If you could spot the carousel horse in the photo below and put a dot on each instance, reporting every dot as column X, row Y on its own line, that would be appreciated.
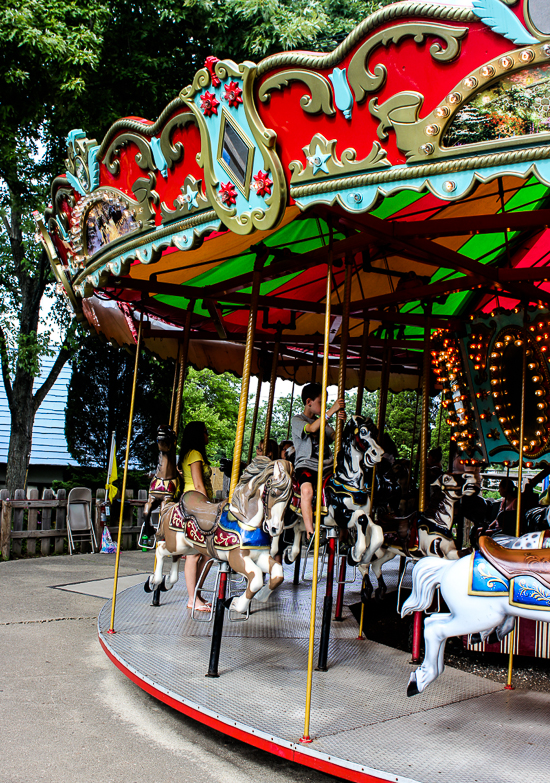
column 165, row 484
column 346, row 493
column 483, row 592
column 237, row 531
column 426, row 534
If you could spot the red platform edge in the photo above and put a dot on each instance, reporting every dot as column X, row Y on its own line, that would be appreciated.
column 305, row 757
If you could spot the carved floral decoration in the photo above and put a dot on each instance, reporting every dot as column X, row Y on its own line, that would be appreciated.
column 228, row 194
column 233, row 94
column 209, row 104
column 262, row 184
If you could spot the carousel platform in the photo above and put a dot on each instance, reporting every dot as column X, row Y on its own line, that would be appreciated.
column 364, row 728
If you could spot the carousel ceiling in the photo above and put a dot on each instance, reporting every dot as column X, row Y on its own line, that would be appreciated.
column 416, row 155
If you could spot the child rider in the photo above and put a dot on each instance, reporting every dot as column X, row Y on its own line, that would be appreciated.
column 305, row 437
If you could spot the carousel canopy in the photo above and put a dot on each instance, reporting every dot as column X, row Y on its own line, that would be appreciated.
column 416, row 155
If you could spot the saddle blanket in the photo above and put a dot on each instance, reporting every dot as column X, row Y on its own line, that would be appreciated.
column 230, row 533
column 522, row 591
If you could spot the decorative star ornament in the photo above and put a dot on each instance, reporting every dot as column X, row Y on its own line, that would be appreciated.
column 262, row 184
column 209, row 104
column 319, row 160
column 228, row 194
column 233, row 94
column 189, row 198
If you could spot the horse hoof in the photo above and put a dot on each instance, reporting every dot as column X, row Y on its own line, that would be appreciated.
column 475, row 638
column 286, row 557
column 156, row 597
column 412, row 688
column 147, row 586
column 162, row 586
column 379, row 594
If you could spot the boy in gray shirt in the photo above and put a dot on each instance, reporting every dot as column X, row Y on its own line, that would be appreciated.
column 305, row 437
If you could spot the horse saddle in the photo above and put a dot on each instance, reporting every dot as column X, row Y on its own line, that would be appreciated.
column 202, row 511
column 517, row 562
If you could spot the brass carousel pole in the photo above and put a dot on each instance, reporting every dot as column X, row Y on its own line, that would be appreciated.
column 332, row 534
column 423, row 488
column 381, row 419
column 362, row 368
column 272, row 382
column 219, row 607
column 175, row 386
column 126, row 459
column 509, row 686
column 248, row 351
column 183, row 353
column 254, row 419
column 306, row 738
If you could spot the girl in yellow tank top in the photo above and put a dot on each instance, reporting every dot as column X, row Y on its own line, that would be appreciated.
column 196, row 472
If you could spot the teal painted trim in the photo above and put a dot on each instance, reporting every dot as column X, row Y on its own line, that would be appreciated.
column 160, row 161
column 93, row 167
column 343, row 97
column 75, row 183
column 502, row 20
column 449, row 187
column 76, row 133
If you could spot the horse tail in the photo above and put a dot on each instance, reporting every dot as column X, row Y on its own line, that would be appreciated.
column 426, row 577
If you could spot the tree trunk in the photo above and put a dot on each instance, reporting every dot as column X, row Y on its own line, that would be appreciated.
column 22, row 420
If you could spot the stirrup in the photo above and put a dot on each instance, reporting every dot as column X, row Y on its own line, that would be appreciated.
column 147, row 542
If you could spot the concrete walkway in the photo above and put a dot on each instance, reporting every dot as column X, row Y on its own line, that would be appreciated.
column 67, row 714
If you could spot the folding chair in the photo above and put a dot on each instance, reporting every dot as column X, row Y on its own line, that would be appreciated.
column 79, row 518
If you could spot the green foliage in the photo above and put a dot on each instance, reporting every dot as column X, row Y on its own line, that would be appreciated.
column 98, row 403
column 96, row 478
column 213, row 399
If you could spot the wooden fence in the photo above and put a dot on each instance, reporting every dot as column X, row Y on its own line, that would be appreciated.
column 33, row 525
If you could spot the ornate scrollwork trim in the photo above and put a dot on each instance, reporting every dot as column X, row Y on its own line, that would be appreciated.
column 320, row 99
column 381, row 17
column 190, row 201
column 404, row 173
column 174, row 153
column 144, row 128
column 321, row 156
column 144, row 156
column 362, row 80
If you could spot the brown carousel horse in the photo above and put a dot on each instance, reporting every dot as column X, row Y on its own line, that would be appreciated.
column 237, row 532
column 165, row 484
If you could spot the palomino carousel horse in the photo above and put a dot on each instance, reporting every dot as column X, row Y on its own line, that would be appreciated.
column 165, row 484
column 237, row 531
column 347, row 492
column 484, row 593
column 420, row 535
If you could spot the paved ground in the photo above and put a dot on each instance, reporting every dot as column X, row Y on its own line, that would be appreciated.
column 67, row 714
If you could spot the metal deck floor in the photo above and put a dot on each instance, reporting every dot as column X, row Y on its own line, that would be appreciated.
column 463, row 729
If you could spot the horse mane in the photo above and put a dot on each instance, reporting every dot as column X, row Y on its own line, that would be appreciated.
column 253, row 475
column 437, row 501
column 260, row 469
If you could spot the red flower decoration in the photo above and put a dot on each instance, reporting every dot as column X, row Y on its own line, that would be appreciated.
column 209, row 104
column 233, row 94
column 210, row 63
column 228, row 194
column 263, row 184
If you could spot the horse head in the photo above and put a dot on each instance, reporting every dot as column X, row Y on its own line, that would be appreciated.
column 263, row 492
column 455, row 485
column 361, row 435
column 166, row 438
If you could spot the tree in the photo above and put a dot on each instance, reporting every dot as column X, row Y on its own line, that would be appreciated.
column 98, row 403
column 213, row 399
column 70, row 63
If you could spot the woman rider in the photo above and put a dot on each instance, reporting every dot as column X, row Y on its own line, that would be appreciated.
column 195, row 468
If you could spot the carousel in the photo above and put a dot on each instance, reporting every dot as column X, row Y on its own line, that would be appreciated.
column 373, row 217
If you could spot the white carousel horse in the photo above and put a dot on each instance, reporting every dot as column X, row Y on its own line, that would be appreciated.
column 484, row 593
column 427, row 534
column 237, row 532
column 347, row 492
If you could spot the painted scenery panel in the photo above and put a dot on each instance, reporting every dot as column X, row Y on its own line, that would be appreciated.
column 106, row 221
column 517, row 105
